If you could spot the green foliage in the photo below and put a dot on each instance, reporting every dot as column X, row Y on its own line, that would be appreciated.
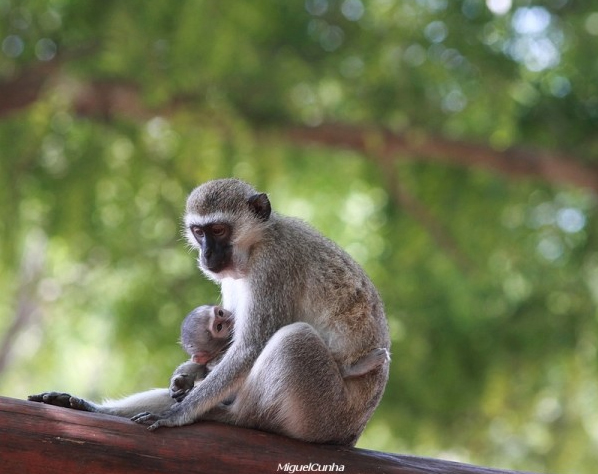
column 494, row 361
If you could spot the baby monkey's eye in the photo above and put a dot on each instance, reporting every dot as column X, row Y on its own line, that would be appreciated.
column 219, row 327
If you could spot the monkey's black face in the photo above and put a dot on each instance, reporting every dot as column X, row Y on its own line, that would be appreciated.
column 215, row 244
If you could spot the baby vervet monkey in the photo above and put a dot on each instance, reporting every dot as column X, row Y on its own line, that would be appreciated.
column 205, row 334
column 302, row 308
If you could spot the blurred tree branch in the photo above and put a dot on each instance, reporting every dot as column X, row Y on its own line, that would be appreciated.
column 24, row 88
column 105, row 99
column 117, row 98
column 552, row 167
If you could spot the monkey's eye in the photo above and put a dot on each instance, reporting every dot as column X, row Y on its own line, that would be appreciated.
column 220, row 312
column 219, row 327
column 197, row 231
column 218, row 230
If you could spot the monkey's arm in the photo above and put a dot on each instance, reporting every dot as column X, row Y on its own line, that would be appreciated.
column 253, row 329
column 184, row 377
column 219, row 384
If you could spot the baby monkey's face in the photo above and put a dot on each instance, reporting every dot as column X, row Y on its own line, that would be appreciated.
column 205, row 332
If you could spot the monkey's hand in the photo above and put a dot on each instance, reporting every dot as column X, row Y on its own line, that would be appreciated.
column 61, row 399
column 180, row 386
column 184, row 377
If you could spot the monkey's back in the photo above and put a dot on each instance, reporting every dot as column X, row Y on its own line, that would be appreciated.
column 342, row 302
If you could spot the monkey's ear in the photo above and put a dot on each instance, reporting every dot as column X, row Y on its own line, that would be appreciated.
column 260, row 205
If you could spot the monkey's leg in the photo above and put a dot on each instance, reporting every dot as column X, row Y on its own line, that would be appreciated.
column 372, row 360
column 155, row 401
column 295, row 388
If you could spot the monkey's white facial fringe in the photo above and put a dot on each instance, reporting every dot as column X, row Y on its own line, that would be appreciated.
column 246, row 232
column 192, row 219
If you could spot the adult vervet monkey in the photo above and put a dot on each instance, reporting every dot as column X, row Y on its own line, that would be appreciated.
column 303, row 308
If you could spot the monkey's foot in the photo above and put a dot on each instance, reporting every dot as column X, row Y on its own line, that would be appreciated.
column 382, row 354
column 180, row 386
column 156, row 421
column 61, row 399
column 144, row 418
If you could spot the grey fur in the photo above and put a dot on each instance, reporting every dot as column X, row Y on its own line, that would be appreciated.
column 303, row 309
column 201, row 340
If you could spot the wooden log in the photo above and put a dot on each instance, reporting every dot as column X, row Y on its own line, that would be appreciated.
column 37, row 438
